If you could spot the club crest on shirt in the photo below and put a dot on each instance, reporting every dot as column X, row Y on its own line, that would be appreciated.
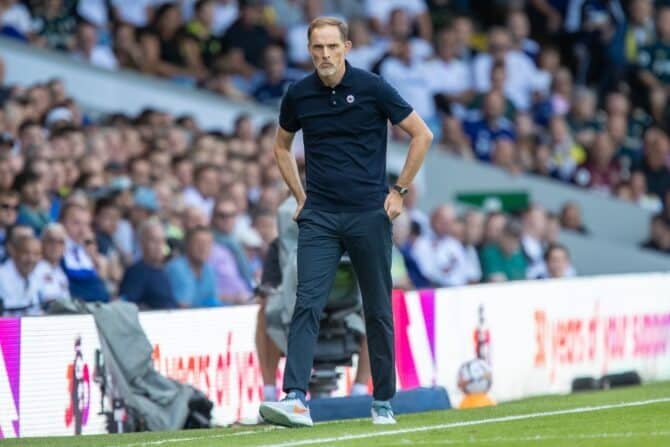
column 350, row 98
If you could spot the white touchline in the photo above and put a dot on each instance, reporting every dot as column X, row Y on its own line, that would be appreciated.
column 201, row 438
column 489, row 441
column 469, row 423
column 400, row 431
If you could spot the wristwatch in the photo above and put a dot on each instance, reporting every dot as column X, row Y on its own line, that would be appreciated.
column 400, row 190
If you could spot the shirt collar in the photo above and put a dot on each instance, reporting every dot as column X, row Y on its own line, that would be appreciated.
column 346, row 81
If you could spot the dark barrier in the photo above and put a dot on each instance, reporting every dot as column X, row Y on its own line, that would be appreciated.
column 411, row 401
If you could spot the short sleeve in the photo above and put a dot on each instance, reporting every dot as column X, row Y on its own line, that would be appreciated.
column 288, row 118
column 182, row 286
column 392, row 104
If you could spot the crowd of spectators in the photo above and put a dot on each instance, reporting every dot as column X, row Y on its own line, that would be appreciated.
column 576, row 90
column 154, row 210
column 125, row 205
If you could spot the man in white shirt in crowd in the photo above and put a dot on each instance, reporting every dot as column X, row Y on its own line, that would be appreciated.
column 19, row 287
column 379, row 12
column 440, row 256
column 521, row 71
column 50, row 275
column 87, row 48
column 412, row 80
column 365, row 50
column 450, row 77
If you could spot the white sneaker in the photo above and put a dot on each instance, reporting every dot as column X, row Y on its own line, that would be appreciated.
column 288, row 412
column 382, row 415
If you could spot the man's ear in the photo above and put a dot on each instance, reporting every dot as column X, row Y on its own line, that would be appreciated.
column 348, row 45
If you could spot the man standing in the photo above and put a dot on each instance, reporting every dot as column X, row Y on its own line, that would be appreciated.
column 343, row 113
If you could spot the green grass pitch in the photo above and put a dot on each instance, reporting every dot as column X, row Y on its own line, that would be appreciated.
column 635, row 416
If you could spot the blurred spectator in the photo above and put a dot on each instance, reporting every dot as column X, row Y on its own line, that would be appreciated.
column 410, row 76
column 86, row 47
column 9, row 201
column 490, row 127
column 505, row 260
column 380, row 14
column 640, row 27
column 601, row 170
column 415, row 214
column 557, row 262
column 15, row 20
column 449, row 76
column 498, row 78
column 191, row 278
column 247, row 33
column 296, row 37
column 566, row 154
column 127, row 49
column 639, row 194
column 534, row 229
column 162, row 45
column 519, row 26
column 365, row 51
column 146, row 282
column 50, row 275
column 204, row 190
column 571, row 218
column 399, row 274
column 441, row 256
column 135, row 12
column 659, row 235
column 232, row 271
column 34, row 208
column 201, row 47
column 473, row 235
column 521, row 71
column 494, row 223
column 84, row 279
column 54, row 23
column 275, row 79
column 654, row 71
column 654, row 165
column 19, row 286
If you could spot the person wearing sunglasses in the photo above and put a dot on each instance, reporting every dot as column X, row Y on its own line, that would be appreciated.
column 9, row 201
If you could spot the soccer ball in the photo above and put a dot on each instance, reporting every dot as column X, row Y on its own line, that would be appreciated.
column 474, row 377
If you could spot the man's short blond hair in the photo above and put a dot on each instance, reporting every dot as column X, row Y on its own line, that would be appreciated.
column 320, row 22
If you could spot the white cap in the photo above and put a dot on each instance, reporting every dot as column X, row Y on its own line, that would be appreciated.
column 58, row 114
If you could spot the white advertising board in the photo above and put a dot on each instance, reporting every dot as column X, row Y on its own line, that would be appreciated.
column 539, row 336
column 545, row 334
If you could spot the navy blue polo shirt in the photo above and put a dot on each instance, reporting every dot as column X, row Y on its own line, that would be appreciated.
column 345, row 135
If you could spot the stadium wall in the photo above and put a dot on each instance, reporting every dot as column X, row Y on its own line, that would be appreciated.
column 538, row 337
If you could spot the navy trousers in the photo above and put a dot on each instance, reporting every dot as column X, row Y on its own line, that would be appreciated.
column 322, row 240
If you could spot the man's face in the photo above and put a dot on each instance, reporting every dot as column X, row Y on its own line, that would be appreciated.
column 208, row 183
column 77, row 224
column 32, row 193
column 53, row 246
column 8, row 207
column 328, row 50
column 224, row 217
column 153, row 244
column 28, row 254
column 199, row 247
column 557, row 263
column 108, row 219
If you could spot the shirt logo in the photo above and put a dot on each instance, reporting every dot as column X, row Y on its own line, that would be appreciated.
column 350, row 98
